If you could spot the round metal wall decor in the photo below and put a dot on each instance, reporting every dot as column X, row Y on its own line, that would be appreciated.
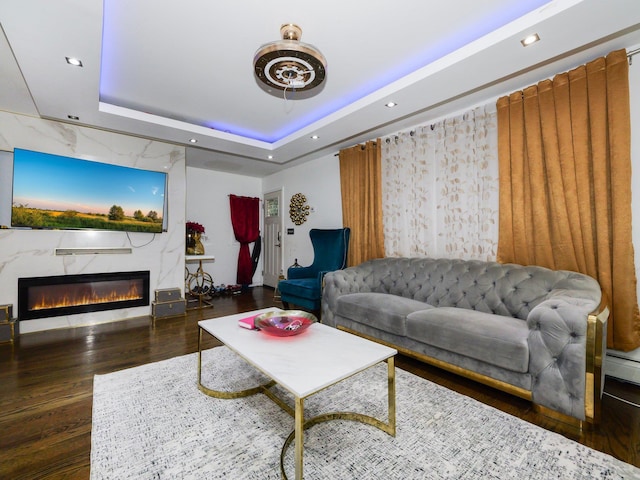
column 298, row 211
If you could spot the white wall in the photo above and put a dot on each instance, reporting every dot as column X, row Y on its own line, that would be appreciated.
column 30, row 253
column 208, row 204
column 319, row 182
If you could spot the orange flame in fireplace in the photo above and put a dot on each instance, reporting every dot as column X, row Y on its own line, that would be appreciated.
column 44, row 302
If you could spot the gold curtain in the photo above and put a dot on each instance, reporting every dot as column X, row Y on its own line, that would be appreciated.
column 564, row 148
column 361, row 184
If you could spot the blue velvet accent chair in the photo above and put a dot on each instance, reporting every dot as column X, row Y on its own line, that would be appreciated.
column 303, row 286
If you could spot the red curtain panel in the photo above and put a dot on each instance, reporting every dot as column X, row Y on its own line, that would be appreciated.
column 245, row 218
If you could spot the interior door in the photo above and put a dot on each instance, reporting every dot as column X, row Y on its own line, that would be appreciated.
column 272, row 238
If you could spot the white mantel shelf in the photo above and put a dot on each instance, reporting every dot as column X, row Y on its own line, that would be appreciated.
column 199, row 258
column 93, row 251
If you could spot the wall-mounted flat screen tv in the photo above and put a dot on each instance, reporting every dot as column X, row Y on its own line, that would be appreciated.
column 56, row 192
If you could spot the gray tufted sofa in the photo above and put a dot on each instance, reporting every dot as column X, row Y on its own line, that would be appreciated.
column 533, row 332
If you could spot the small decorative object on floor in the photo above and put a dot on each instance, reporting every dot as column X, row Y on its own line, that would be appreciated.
column 9, row 326
column 168, row 303
column 286, row 323
column 194, row 233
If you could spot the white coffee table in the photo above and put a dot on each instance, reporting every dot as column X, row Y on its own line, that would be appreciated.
column 330, row 355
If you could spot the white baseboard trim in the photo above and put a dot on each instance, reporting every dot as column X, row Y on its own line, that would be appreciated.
column 624, row 366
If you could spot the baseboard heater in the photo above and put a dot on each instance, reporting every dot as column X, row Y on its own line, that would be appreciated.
column 93, row 251
column 622, row 367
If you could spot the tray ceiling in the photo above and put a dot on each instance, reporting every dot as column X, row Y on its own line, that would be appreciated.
column 182, row 71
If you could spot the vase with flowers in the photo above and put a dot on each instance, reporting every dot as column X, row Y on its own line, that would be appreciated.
column 194, row 234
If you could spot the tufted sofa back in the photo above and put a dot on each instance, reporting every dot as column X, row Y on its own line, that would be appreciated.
column 490, row 287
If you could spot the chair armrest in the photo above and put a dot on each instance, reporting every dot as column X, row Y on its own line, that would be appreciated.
column 321, row 275
column 300, row 272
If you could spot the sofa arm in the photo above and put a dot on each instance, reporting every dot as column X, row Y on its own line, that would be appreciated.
column 336, row 284
column 558, row 338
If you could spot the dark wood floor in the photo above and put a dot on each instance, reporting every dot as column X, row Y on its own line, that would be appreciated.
column 46, row 387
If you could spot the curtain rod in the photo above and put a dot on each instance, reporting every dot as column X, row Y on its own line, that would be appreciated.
column 244, row 196
column 362, row 147
column 629, row 56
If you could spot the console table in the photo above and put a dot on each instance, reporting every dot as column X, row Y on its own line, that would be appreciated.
column 198, row 286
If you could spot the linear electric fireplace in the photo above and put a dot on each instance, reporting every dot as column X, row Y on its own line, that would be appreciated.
column 40, row 297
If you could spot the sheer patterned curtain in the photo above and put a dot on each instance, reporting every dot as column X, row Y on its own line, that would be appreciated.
column 440, row 188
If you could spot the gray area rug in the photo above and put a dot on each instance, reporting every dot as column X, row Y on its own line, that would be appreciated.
column 152, row 422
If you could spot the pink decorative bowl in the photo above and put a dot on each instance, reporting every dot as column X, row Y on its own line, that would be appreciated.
column 285, row 323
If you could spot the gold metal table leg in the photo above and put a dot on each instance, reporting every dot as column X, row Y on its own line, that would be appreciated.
column 301, row 424
column 299, row 432
column 391, row 392
column 227, row 395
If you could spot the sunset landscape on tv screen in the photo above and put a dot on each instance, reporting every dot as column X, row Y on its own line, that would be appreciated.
column 57, row 192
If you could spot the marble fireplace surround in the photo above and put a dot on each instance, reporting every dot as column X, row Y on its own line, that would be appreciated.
column 33, row 253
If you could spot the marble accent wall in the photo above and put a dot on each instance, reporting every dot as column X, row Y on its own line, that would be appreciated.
column 31, row 253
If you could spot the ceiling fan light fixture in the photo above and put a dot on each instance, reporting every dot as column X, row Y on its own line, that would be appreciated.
column 290, row 63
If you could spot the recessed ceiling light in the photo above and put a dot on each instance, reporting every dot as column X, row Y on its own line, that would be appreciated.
column 390, row 104
column 73, row 117
column 529, row 39
column 76, row 62
column 314, row 137
column 193, row 140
